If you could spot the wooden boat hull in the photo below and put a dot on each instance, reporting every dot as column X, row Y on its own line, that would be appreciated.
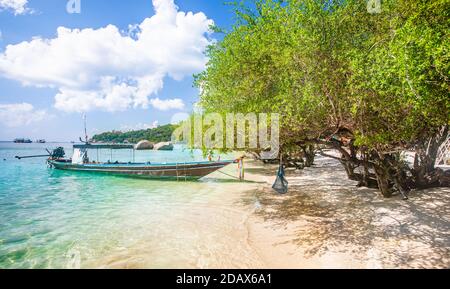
column 151, row 171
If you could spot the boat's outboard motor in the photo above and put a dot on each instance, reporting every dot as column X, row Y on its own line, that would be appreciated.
column 58, row 153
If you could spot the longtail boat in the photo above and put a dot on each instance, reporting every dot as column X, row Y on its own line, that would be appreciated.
column 80, row 162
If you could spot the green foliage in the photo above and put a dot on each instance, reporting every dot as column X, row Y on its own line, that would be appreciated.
column 400, row 86
column 328, row 66
column 279, row 59
column 159, row 134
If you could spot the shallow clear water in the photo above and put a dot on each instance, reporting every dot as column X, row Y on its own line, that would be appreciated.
column 57, row 219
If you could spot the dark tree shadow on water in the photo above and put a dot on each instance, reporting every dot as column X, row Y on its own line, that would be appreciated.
column 337, row 215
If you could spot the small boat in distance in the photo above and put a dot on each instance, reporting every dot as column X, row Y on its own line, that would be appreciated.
column 22, row 140
column 41, row 141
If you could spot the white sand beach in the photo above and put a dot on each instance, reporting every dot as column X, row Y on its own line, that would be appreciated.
column 327, row 222
column 324, row 221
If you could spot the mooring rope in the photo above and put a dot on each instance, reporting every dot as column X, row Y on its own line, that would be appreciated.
column 240, row 169
column 229, row 175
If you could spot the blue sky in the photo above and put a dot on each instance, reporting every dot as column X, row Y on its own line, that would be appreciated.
column 121, row 77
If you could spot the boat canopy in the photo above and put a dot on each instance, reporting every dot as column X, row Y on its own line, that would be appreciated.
column 104, row 146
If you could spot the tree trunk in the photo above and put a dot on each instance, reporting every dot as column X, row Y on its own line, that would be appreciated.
column 425, row 175
column 309, row 155
column 387, row 171
column 350, row 170
column 367, row 179
column 384, row 184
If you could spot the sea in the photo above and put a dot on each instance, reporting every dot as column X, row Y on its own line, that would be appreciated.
column 58, row 219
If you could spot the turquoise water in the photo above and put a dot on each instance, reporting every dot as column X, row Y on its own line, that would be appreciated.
column 57, row 219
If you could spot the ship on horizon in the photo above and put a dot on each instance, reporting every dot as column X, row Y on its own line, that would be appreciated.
column 22, row 140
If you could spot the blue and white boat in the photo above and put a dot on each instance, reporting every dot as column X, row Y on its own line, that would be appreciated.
column 180, row 171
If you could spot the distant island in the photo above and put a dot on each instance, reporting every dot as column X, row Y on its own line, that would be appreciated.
column 159, row 134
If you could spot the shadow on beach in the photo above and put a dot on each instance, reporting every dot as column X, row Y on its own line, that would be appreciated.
column 331, row 213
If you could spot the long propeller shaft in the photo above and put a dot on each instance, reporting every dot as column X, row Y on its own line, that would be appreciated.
column 29, row 157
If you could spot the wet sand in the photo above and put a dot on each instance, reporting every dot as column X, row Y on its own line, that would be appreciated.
column 324, row 221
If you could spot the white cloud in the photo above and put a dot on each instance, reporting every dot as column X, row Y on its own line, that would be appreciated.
column 16, row 6
column 139, row 126
column 168, row 104
column 20, row 114
column 155, row 124
column 112, row 70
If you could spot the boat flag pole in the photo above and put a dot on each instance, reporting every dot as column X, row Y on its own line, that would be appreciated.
column 85, row 128
column 86, row 138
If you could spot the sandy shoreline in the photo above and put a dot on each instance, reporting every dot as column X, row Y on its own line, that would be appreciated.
column 327, row 222
column 324, row 221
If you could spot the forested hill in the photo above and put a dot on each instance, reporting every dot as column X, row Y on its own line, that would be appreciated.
column 159, row 134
